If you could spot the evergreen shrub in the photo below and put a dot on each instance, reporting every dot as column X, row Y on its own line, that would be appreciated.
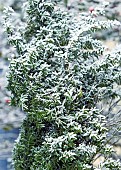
column 58, row 77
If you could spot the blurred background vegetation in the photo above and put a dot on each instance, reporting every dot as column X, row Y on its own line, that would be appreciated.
column 10, row 117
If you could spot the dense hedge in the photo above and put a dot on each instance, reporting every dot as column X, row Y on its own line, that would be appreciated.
column 58, row 77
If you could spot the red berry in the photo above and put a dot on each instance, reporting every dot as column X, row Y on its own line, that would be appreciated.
column 7, row 101
column 91, row 9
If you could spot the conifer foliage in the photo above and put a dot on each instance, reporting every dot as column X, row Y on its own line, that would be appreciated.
column 58, row 77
